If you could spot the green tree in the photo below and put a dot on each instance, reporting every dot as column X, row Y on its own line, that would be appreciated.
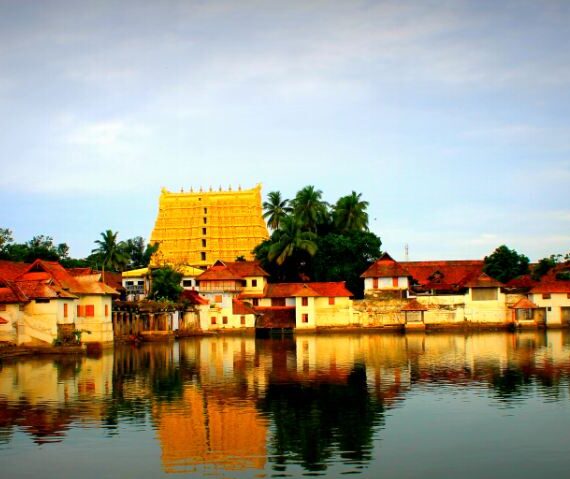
column 166, row 284
column 139, row 252
column 5, row 238
column 344, row 257
column 275, row 209
column 309, row 209
column 290, row 239
column 349, row 213
column 110, row 252
column 505, row 264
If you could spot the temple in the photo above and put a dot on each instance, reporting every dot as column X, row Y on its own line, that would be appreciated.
column 198, row 228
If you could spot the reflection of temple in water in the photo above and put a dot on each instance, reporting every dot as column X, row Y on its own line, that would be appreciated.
column 234, row 403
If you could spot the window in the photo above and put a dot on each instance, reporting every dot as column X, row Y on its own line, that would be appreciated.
column 42, row 300
column 205, row 211
column 203, row 256
column 129, row 283
column 305, row 301
column 375, row 283
column 484, row 294
column 140, row 283
column 394, row 282
column 218, row 298
column 106, row 310
column 253, row 283
column 331, row 301
column 213, row 320
column 203, row 231
column 186, row 283
column 277, row 301
column 89, row 310
column 80, row 311
column 545, row 295
column 205, row 220
column 305, row 318
column 203, row 243
column 65, row 310
column 225, row 320
column 242, row 320
column 255, row 301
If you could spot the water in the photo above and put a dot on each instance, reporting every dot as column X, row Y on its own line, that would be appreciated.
column 390, row 406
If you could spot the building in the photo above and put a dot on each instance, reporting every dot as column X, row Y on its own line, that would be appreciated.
column 239, row 296
column 452, row 293
column 137, row 283
column 43, row 302
column 198, row 228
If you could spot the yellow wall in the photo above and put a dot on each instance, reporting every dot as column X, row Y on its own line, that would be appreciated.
column 100, row 326
column 555, row 303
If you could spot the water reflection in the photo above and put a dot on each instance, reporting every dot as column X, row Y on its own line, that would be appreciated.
column 310, row 403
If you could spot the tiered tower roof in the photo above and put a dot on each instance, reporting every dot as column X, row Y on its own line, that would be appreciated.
column 198, row 228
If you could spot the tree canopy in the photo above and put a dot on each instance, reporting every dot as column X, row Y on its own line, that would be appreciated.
column 505, row 264
column 314, row 241
column 166, row 284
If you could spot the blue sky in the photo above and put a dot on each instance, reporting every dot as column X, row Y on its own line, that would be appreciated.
column 450, row 117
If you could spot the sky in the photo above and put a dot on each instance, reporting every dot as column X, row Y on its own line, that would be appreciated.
column 451, row 117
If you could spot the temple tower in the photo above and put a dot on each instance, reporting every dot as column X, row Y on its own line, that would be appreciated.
column 198, row 228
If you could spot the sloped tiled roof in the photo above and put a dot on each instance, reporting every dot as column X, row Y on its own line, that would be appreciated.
column 239, row 307
column 10, row 270
column 90, row 284
column 3, row 321
column 316, row 289
column 482, row 280
column 385, row 267
column 246, row 268
column 193, row 297
column 443, row 274
column 11, row 293
column 552, row 287
column 414, row 305
column 522, row 282
column 524, row 303
column 44, row 290
column 236, row 270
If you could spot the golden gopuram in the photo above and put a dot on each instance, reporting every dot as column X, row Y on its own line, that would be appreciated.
column 198, row 228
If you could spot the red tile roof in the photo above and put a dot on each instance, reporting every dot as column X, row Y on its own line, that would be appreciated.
column 385, row 267
column 414, row 305
column 10, row 293
column 552, row 287
column 524, row 303
column 3, row 321
column 239, row 307
column 10, row 270
column 317, row 289
column 522, row 282
column 246, row 268
column 193, row 297
column 482, row 280
column 227, row 271
column 443, row 274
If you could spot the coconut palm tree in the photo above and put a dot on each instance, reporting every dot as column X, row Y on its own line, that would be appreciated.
column 275, row 209
column 350, row 214
column 309, row 209
column 111, row 252
column 290, row 239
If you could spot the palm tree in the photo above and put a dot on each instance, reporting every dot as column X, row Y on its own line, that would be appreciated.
column 309, row 208
column 275, row 209
column 350, row 213
column 111, row 252
column 290, row 239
